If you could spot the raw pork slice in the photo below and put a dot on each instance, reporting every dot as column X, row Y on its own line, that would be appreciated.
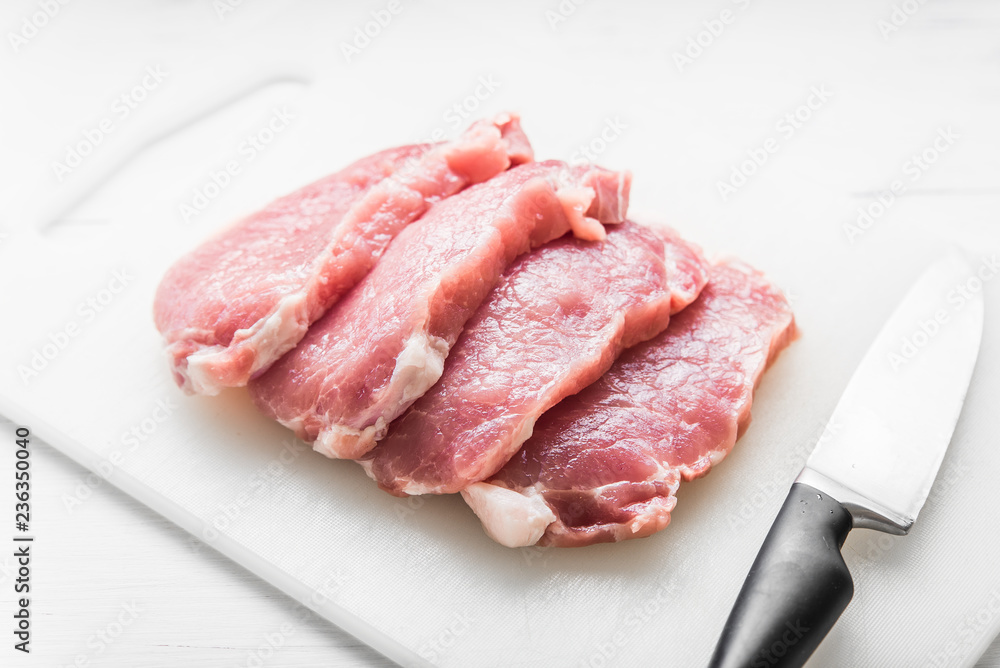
column 556, row 321
column 604, row 464
column 384, row 345
column 242, row 299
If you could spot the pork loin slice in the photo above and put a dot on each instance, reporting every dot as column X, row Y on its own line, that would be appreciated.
column 234, row 305
column 556, row 321
column 604, row 464
column 381, row 347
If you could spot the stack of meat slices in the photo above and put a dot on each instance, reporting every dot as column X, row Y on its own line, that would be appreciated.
column 458, row 318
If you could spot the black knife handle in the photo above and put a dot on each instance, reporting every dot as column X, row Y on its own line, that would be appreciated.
column 796, row 589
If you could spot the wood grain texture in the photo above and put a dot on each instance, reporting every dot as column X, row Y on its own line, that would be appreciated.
column 194, row 607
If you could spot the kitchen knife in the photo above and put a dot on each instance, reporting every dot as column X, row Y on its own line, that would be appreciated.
column 872, row 468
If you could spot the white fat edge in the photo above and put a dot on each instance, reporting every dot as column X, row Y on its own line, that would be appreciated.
column 519, row 518
column 661, row 474
column 513, row 519
column 714, row 457
column 271, row 337
column 366, row 464
column 623, row 178
column 658, row 513
column 177, row 336
column 279, row 332
column 418, row 367
column 338, row 441
column 407, row 177
column 198, row 382
column 296, row 424
column 414, row 488
column 575, row 200
column 198, row 376
column 527, row 429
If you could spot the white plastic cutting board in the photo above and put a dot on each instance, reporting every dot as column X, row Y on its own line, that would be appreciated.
column 418, row 579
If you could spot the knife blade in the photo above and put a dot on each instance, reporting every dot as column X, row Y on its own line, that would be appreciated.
column 872, row 468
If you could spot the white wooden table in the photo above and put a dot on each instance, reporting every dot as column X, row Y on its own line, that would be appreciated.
column 195, row 608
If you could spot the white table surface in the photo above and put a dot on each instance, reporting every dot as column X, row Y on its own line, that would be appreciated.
column 195, row 607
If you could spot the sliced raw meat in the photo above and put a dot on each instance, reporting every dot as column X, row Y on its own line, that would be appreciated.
column 384, row 345
column 237, row 303
column 604, row 464
column 555, row 322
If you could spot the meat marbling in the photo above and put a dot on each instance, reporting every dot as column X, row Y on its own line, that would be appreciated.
column 380, row 348
column 555, row 322
column 604, row 464
column 242, row 299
